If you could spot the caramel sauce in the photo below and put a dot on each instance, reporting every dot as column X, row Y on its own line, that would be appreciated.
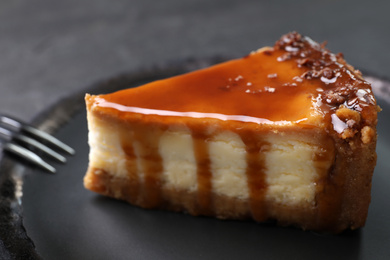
column 235, row 90
column 296, row 82
column 131, row 168
column 255, row 173
column 204, row 174
column 146, row 143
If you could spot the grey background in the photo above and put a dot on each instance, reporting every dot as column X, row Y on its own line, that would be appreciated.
column 49, row 49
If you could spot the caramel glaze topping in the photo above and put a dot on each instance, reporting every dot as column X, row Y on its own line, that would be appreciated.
column 291, row 82
column 297, row 81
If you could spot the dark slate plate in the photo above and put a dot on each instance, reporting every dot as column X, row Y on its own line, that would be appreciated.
column 65, row 221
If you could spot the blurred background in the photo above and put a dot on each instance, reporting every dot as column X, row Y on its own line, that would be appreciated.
column 49, row 49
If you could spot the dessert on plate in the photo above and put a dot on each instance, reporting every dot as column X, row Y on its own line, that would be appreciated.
column 286, row 134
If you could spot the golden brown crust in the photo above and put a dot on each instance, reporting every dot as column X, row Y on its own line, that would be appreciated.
column 360, row 154
column 223, row 207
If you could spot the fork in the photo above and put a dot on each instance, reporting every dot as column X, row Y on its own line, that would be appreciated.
column 24, row 141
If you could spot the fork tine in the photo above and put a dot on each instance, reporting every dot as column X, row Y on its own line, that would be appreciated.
column 29, row 156
column 49, row 138
column 37, row 133
column 29, row 141
column 41, row 147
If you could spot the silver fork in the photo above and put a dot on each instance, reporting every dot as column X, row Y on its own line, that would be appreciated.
column 25, row 141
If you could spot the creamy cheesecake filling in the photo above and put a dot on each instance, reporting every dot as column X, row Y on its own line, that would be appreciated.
column 290, row 166
column 291, row 172
column 228, row 165
column 179, row 164
column 106, row 151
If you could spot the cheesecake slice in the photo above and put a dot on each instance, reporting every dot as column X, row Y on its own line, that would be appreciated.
column 285, row 134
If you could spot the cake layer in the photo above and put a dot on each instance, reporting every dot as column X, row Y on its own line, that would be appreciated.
column 292, row 182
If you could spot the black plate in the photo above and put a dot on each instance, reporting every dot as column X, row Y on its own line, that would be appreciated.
column 65, row 221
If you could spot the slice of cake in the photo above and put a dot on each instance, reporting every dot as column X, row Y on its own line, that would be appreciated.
column 286, row 134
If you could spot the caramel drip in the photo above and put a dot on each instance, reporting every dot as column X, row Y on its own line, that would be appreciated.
column 203, row 173
column 151, row 163
column 131, row 168
column 255, row 173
